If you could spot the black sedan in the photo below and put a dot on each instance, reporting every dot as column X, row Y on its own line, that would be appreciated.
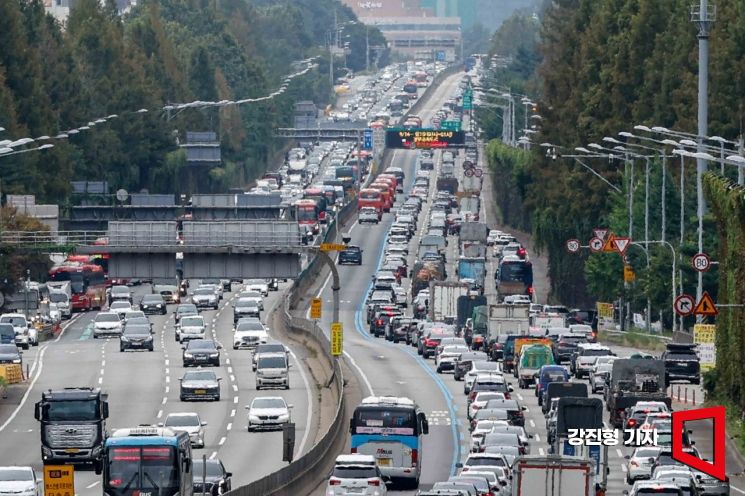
column 136, row 337
column 153, row 303
column 201, row 352
column 215, row 481
column 350, row 255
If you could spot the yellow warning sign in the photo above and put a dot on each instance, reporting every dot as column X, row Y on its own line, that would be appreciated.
column 315, row 308
column 337, row 339
column 59, row 480
column 705, row 306
column 332, row 247
column 628, row 274
column 605, row 310
column 609, row 246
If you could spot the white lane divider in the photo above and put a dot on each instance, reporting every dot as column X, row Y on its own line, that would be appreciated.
column 213, row 455
column 619, row 452
column 230, row 425
column 222, row 441
column 532, row 423
column 232, row 412
column 160, row 413
column 91, row 486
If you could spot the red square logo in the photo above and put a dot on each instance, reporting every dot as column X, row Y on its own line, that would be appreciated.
column 718, row 467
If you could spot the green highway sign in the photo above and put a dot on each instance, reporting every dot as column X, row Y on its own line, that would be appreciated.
column 468, row 99
column 450, row 125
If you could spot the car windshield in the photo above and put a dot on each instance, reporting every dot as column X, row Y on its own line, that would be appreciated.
column 107, row 317
column 120, row 291
column 192, row 321
column 250, row 326
column 15, row 321
column 270, row 348
column 204, row 291
column 181, row 421
column 8, row 349
column 120, row 304
column 553, row 376
column 354, row 472
column 200, row 376
column 272, row 362
column 245, row 302
column 201, row 345
column 268, row 403
column 481, row 461
column 594, row 353
column 136, row 329
column 186, row 308
column 152, row 299
column 213, row 469
column 15, row 474
column 681, row 356
column 57, row 297
column 250, row 294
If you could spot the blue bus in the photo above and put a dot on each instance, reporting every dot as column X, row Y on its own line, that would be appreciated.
column 390, row 429
column 147, row 461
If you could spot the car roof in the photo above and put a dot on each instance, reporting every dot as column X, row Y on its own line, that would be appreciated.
column 356, row 459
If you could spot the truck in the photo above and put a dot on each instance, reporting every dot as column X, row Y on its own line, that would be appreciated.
column 530, row 361
column 476, row 232
column 546, row 321
column 73, row 426
column 552, row 475
column 469, row 207
column 562, row 389
column 633, row 380
column 424, row 273
column 465, row 317
column 508, row 319
column 473, row 271
column 443, row 300
column 449, row 184
column 473, row 249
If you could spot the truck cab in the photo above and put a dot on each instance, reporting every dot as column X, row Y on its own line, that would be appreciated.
column 73, row 426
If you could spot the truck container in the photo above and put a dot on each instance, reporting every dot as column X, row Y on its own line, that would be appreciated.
column 552, row 475
column 508, row 319
column 474, row 232
column 443, row 297
column 473, row 249
column 449, row 184
column 531, row 359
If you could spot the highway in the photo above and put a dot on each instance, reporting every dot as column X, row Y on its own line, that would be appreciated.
column 143, row 388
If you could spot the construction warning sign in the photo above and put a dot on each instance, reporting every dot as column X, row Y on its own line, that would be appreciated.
column 337, row 339
column 705, row 306
column 59, row 480
column 609, row 246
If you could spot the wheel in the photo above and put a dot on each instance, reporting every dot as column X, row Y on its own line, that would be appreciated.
column 36, row 343
column 98, row 467
column 151, row 348
column 258, row 387
column 250, row 429
column 25, row 346
column 217, row 398
column 439, row 370
column 287, row 386
column 629, row 481
column 217, row 363
column 540, row 400
column 121, row 348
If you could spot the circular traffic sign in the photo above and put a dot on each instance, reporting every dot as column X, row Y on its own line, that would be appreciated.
column 478, row 172
column 701, row 262
column 467, row 164
column 596, row 244
column 573, row 245
column 468, row 173
column 684, row 305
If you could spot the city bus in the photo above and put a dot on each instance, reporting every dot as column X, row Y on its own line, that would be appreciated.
column 386, row 193
column 306, row 214
column 147, row 460
column 391, row 430
column 411, row 88
column 87, row 283
column 371, row 197
column 318, row 195
column 514, row 277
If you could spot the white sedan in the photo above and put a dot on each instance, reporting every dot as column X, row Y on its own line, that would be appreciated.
column 268, row 412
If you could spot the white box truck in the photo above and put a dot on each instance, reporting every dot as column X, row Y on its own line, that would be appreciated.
column 552, row 475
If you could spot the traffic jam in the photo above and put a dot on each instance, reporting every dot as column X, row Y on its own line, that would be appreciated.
column 461, row 294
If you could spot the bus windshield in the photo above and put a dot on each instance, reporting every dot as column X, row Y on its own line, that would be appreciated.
column 77, row 281
column 374, row 420
column 306, row 214
column 142, row 469
column 516, row 271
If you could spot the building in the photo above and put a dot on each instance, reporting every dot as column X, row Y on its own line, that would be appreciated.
column 421, row 37
column 60, row 9
column 26, row 205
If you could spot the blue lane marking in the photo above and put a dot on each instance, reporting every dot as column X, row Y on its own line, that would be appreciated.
column 87, row 333
column 421, row 361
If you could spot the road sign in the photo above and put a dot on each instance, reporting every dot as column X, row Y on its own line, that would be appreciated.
column 608, row 247
column 684, row 305
column 423, row 138
column 573, row 245
column 600, row 232
column 315, row 308
column 332, row 247
column 59, row 480
column 478, row 172
column 596, row 244
column 468, row 172
column 368, row 139
column 628, row 274
column 701, row 262
column 705, row 306
column 704, row 335
column 450, row 125
column 337, row 339
column 621, row 244
column 468, row 100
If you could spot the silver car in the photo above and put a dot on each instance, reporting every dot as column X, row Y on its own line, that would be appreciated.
column 639, row 465
column 107, row 323
column 190, row 423
column 191, row 327
column 205, row 298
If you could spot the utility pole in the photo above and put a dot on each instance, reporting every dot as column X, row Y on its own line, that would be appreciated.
column 741, row 152
column 703, row 17
column 367, row 48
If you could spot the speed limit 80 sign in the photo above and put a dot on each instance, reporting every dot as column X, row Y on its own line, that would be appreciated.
column 573, row 245
column 701, row 262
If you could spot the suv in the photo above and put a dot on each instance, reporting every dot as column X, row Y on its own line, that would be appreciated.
column 681, row 363
column 566, row 346
column 245, row 307
column 368, row 214
column 584, row 358
column 273, row 369
column 350, row 255
column 356, row 474
column 190, row 327
column 25, row 335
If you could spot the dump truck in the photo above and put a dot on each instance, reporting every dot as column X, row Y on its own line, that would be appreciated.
column 424, row 273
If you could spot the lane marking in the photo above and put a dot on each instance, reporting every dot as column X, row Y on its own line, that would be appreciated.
column 232, row 412
column 619, row 452
column 230, row 425
column 213, row 455
column 90, row 486
column 165, row 399
column 168, row 389
column 232, row 378
column 520, row 397
column 100, row 380
column 222, row 441
column 541, row 451
column 532, row 423
column 235, row 388
column 235, row 399
column 160, row 413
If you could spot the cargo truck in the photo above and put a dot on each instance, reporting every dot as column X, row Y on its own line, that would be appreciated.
column 443, row 296
column 473, row 271
column 552, row 475
column 633, row 380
